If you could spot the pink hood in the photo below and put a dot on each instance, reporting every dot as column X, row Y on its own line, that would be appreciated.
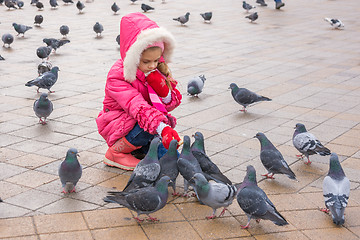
column 137, row 33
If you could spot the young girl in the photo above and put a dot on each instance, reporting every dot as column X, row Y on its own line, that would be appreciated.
column 139, row 92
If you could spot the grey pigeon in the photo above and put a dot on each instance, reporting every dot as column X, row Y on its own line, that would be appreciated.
column 115, row 8
column 245, row 97
column 196, row 85
column 2, row 58
column 336, row 189
column 10, row 4
column 70, row 171
column 80, row 6
column 183, row 19
column 38, row 19
column 68, row 1
column 206, row 16
column 1, row 200
column 43, row 107
column 20, row 28
column 336, row 23
column 145, row 200
column 33, row 2
column 20, row 4
column 46, row 80
column 307, row 144
column 146, row 7
column 64, row 30
column 210, row 170
column 272, row 159
column 247, row 6
column 43, row 52
column 188, row 165
column 53, row 3
column 118, row 39
column 133, row 1
column 55, row 43
column 254, row 201
column 40, row 5
column 147, row 170
column 7, row 38
column 43, row 67
column 253, row 16
column 168, row 165
column 214, row 195
column 98, row 29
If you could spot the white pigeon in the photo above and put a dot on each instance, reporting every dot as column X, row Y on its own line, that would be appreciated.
column 336, row 190
column 336, row 23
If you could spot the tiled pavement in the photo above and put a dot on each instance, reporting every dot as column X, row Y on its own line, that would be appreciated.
column 311, row 72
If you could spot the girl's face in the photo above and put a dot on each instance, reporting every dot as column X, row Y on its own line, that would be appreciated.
column 149, row 59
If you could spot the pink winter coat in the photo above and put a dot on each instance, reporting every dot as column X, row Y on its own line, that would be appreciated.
column 127, row 99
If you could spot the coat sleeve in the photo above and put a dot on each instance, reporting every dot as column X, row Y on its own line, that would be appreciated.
column 134, row 104
column 175, row 98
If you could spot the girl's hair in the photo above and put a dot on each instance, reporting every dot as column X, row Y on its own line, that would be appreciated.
column 165, row 70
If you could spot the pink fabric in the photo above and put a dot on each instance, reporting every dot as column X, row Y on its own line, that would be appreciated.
column 155, row 100
column 126, row 104
column 157, row 44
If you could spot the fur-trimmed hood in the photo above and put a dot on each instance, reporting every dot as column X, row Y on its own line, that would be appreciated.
column 137, row 32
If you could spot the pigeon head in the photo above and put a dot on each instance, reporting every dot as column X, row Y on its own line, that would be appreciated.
column 300, row 128
column 153, row 153
column 335, row 170
column 262, row 138
column 250, row 175
column 162, row 184
column 199, row 141
column 186, row 144
column 71, row 155
column 55, row 69
column 173, row 146
column 43, row 97
column 233, row 86
column 201, row 182
column 187, row 14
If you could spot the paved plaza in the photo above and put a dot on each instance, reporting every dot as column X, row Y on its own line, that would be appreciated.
column 310, row 70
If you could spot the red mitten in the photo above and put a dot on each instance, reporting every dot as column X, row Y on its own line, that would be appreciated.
column 168, row 134
column 157, row 82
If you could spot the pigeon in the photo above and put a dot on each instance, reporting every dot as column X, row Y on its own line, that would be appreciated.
column 40, row 5
column 336, row 23
column 115, row 8
column 64, row 30
column 133, row 1
column 336, row 189
column 253, row 16
column 46, row 80
column 2, row 58
column 70, row 171
column 247, row 6
column 196, row 85
column 261, row 2
column 272, row 159
column 20, row 4
column 10, row 4
column 80, row 6
column 33, row 2
column 183, row 19
column 214, row 195
column 188, row 165
column 44, row 67
column 254, row 201
column 20, row 28
column 68, row 1
column 245, row 97
column 55, row 43
column 43, row 107
column 1, row 200
column 98, row 28
column 168, row 165
column 210, row 170
column 7, row 38
column 147, row 170
column 53, row 3
column 206, row 16
column 43, row 52
column 38, row 20
column 118, row 39
column 145, row 200
column 146, row 7
column 307, row 144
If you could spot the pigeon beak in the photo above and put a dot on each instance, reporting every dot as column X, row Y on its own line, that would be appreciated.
column 78, row 155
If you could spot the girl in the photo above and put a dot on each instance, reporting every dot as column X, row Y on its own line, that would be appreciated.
column 139, row 92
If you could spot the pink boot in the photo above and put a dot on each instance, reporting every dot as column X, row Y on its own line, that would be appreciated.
column 119, row 155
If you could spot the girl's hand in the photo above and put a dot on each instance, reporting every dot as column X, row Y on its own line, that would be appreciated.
column 158, row 83
column 167, row 135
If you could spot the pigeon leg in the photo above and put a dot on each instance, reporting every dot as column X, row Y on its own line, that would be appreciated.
column 243, row 110
column 258, row 220
column 246, row 226
column 176, row 194
column 267, row 176
column 64, row 191
column 222, row 212
column 325, row 210
column 212, row 216
column 300, row 156
column 138, row 219
column 51, row 91
column 37, row 90
column 73, row 190
column 308, row 162
column 151, row 219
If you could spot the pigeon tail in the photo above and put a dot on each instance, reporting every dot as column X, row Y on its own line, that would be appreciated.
column 262, row 98
column 30, row 83
column 276, row 218
column 324, row 151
